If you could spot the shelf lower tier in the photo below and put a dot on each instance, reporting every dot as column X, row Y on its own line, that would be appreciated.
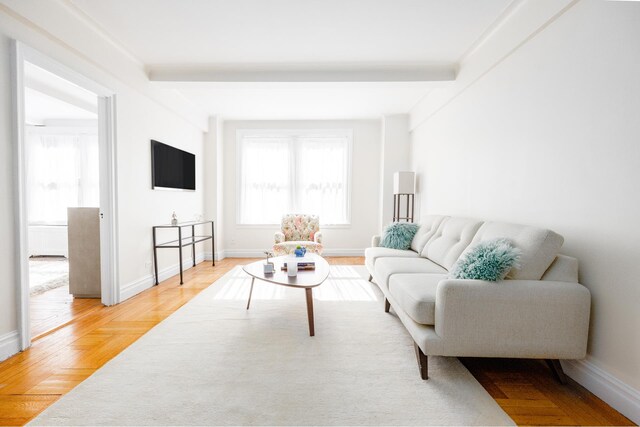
column 186, row 241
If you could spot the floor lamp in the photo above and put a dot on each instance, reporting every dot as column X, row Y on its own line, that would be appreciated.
column 404, row 187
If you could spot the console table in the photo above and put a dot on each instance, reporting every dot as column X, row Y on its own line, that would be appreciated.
column 183, row 241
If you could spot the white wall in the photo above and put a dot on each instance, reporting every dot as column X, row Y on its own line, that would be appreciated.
column 338, row 240
column 212, row 177
column 550, row 136
column 395, row 151
column 140, row 207
column 143, row 112
column 48, row 240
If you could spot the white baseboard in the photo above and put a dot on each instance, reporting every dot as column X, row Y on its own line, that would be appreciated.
column 9, row 345
column 620, row 396
column 220, row 255
column 146, row 282
column 244, row 253
column 259, row 253
column 343, row 252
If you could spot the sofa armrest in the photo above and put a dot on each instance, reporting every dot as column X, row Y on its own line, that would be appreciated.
column 375, row 241
column 317, row 237
column 514, row 318
column 279, row 237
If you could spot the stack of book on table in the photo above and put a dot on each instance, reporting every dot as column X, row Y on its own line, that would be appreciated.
column 304, row 263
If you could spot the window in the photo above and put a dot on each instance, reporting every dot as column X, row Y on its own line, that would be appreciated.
column 62, row 172
column 293, row 171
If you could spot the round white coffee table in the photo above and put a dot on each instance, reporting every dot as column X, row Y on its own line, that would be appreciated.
column 306, row 279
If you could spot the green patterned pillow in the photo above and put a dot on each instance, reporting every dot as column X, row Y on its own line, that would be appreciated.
column 490, row 260
column 398, row 235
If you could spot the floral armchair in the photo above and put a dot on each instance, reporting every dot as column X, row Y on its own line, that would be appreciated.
column 298, row 230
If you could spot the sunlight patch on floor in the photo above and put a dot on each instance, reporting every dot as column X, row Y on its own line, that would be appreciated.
column 343, row 284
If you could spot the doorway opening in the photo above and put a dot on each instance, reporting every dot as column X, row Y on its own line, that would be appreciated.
column 62, row 174
column 64, row 131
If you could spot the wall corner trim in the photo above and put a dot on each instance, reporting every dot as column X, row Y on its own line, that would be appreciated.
column 622, row 397
column 9, row 345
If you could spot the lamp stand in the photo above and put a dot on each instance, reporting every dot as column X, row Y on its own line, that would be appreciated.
column 409, row 207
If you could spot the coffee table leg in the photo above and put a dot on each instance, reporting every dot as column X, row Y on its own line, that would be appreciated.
column 250, row 292
column 310, row 310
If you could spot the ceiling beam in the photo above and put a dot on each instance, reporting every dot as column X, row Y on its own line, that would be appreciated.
column 61, row 95
column 303, row 74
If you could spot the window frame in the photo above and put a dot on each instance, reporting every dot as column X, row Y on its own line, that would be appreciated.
column 294, row 135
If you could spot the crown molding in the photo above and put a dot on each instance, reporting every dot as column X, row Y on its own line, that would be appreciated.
column 495, row 26
column 99, row 55
column 100, row 31
column 518, row 24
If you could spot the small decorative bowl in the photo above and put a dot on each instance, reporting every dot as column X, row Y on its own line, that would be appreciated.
column 300, row 252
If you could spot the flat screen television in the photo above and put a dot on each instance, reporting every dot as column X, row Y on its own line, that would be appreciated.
column 172, row 168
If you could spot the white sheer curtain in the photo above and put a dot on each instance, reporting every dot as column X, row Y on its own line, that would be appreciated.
column 62, row 171
column 265, row 180
column 282, row 172
column 323, row 178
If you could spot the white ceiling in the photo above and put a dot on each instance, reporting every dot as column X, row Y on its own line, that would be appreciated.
column 196, row 36
column 49, row 97
column 40, row 109
column 293, row 31
column 282, row 101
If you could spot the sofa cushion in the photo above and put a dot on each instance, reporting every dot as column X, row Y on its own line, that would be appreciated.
column 562, row 269
column 490, row 260
column 398, row 235
column 416, row 295
column 539, row 246
column 387, row 267
column 450, row 240
column 428, row 227
column 372, row 254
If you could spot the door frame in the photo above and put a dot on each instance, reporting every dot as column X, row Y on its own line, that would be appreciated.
column 110, row 291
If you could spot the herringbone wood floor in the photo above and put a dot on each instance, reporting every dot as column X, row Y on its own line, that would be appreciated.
column 61, row 359
column 56, row 307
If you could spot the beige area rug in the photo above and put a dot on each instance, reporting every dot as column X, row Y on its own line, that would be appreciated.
column 46, row 273
column 214, row 363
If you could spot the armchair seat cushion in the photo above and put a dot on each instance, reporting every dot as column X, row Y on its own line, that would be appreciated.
column 285, row 248
column 416, row 295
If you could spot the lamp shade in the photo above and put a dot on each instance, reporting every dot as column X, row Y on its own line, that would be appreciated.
column 404, row 183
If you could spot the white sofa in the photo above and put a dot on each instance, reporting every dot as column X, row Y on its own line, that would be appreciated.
column 540, row 311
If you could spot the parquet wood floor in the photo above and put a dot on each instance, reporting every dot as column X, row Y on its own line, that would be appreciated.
column 58, row 361
column 529, row 393
column 56, row 307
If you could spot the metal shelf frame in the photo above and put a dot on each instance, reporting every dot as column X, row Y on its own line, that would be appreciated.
column 182, row 242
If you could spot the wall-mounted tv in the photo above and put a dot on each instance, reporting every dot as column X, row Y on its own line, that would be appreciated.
column 172, row 168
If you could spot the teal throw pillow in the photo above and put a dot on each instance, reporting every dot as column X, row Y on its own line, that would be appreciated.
column 490, row 260
column 398, row 235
